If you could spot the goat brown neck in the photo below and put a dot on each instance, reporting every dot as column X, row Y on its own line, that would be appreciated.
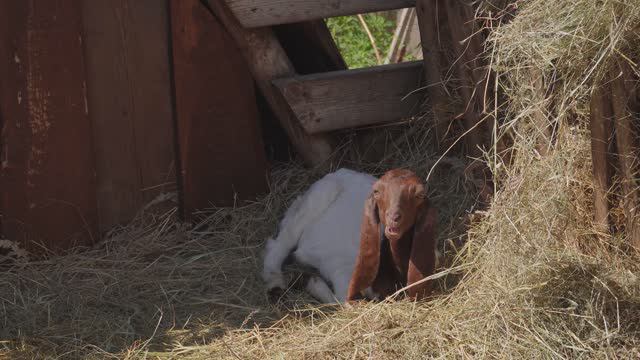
column 394, row 263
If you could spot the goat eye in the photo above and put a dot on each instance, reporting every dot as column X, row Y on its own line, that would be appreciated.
column 376, row 193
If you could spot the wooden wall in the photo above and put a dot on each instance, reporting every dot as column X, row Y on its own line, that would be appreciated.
column 47, row 174
column 218, row 119
column 129, row 92
column 88, row 124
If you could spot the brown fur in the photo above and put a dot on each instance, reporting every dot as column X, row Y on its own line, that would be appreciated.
column 398, row 201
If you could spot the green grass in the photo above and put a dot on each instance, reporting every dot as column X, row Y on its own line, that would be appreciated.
column 353, row 42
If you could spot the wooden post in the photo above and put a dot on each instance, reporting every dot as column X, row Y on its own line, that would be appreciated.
column 221, row 149
column 627, row 159
column 468, row 71
column 600, row 132
column 268, row 61
column 431, row 19
column 260, row 13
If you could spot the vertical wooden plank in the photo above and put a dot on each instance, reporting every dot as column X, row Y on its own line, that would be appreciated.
column 600, row 113
column 435, row 40
column 449, row 26
column 47, row 175
column 267, row 61
column 467, row 69
column 627, row 158
column 129, row 90
column 263, row 13
column 221, row 149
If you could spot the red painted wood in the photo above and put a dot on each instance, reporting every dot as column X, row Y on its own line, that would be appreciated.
column 47, row 173
column 221, row 149
column 129, row 91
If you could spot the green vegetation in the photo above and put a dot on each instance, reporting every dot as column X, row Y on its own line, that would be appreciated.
column 353, row 42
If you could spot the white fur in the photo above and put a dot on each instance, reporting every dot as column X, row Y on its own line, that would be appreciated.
column 324, row 225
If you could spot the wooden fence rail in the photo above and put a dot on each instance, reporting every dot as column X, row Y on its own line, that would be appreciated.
column 256, row 13
column 352, row 98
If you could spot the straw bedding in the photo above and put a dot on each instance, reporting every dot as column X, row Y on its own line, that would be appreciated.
column 533, row 279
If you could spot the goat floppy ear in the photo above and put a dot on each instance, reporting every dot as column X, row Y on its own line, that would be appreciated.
column 422, row 260
column 368, row 260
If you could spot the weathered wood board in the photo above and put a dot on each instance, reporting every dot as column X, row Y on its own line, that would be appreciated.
column 256, row 13
column 221, row 149
column 626, row 145
column 352, row 98
column 47, row 174
column 600, row 114
column 470, row 72
column 267, row 61
column 130, row 104
column 433, row 25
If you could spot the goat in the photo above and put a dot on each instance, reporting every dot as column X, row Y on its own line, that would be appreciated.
column 322, row 229
column 397, row 239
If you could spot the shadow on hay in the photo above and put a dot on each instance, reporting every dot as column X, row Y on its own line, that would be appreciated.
column 592, row 300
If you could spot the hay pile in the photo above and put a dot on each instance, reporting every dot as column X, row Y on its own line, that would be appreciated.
column 534, row 281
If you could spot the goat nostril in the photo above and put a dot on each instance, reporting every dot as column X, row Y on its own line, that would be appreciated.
column 396, row 217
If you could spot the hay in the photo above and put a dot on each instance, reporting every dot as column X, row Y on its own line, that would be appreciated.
column 534, row 281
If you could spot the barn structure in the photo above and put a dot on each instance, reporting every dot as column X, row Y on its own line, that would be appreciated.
column 108, row 105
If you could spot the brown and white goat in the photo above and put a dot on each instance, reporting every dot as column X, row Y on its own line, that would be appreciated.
column 397, row 238
column 391, row 245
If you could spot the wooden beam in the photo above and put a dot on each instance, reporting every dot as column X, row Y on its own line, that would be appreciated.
column 352, row 98
column 600, row 113
column 436, row 40
column 267, row 61
column 627, row 158
column 256, row 13
column 221, row 150
column 47, row 174
column 130, row 104
column 468, row 71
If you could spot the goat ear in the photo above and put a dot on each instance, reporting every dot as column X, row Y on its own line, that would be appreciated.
column 422, row 260
column 368, row 260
